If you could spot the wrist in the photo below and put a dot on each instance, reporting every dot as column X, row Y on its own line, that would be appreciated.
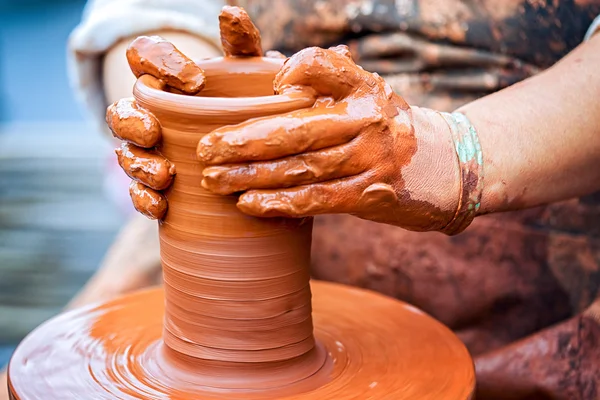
column 470, row 162
column 433, row 177
column 493, row 197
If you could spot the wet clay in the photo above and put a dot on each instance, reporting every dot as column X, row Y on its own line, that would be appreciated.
column 379, row 348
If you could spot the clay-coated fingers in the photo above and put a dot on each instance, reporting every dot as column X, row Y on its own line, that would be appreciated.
column 318, row 166
column 330, row 72
column 148, row 201
column 332, row 197
column 132, row 123
column 155, row 56
column 144, row 166
column 270, row 138
column 239, row 36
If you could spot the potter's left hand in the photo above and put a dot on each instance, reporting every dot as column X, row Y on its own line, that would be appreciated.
column 359, row 150
column 139, row 129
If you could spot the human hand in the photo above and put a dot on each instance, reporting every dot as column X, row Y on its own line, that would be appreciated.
column 359, row 150
column 141, row 131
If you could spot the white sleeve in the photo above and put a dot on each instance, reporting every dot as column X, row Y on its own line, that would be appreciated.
column 105, row 22
column 593, row 29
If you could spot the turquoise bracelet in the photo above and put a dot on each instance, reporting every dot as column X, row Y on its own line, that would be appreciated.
column 470, row 161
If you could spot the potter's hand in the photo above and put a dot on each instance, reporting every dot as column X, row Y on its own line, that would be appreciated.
column 359, row 150
column 141, row 131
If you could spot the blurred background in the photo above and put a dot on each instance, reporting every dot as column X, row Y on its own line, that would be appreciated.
column 55, row 220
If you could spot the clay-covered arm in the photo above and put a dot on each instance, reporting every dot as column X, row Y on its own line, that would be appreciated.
column 356, row 151
column 361, row 151
column 541, row 137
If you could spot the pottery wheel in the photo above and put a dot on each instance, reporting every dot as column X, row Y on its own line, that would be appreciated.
column 376, row 347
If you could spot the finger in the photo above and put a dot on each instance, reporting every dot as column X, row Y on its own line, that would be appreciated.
column 132, row 123
column 331, row 163
column 239, row 36
column 280, row 136
column 331, row 197
column 148, row 201
column 329, row 72
column 149, row 168
column 155, row 56
column 275, row 54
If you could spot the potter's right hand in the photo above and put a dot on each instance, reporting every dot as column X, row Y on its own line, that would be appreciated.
column 359, row 150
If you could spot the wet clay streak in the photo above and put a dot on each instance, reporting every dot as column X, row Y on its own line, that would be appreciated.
column 239, row 36
column 155, row 56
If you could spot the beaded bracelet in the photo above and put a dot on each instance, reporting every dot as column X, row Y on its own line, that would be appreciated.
column 470, row 161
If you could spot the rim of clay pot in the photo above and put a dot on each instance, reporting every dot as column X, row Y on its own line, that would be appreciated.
column 152, row 91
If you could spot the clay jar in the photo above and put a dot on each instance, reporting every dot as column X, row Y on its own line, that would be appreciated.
column 237, row 294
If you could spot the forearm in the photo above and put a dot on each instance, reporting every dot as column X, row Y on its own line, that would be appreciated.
column 541, row 138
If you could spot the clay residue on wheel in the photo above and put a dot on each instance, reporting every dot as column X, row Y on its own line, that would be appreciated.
column 239, row 36
column 155, row 56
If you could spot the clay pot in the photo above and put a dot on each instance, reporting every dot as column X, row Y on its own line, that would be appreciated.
column 229, row 278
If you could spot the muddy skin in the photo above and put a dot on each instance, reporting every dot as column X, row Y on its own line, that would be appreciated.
column 151, row 169
column 148, row 201
column 155, row 56
column 131, row 123
column 343, row 155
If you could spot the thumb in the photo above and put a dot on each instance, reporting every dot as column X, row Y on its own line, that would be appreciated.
column 330, row 72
